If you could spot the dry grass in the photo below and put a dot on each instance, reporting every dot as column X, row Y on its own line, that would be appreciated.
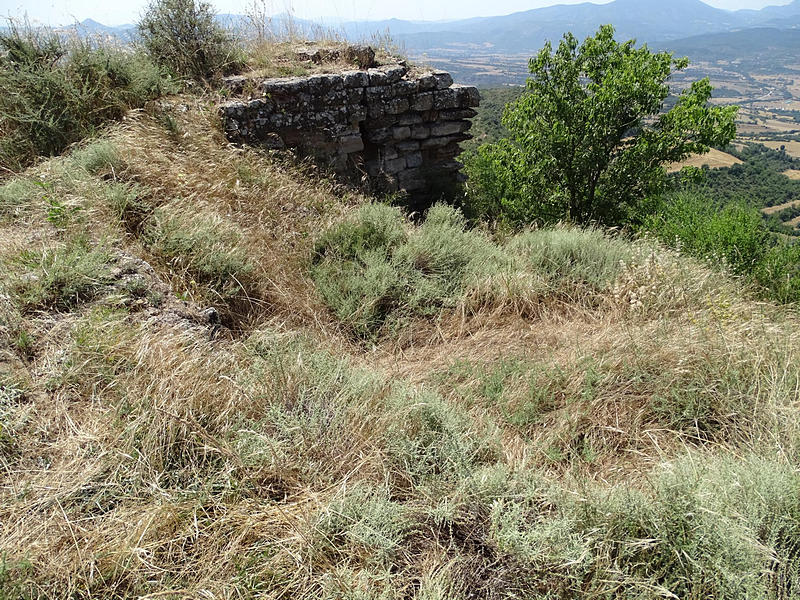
column 714, row 159
column 769, row 210
column 792, row 148
column 271, row 202
column 490, row 449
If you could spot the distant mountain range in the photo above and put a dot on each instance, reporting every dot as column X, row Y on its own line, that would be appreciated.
column 645, row 20
column 687, row 27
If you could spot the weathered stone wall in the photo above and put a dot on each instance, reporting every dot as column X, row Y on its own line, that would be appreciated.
column 400, row 130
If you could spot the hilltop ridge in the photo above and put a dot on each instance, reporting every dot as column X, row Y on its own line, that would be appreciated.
column 227, row 373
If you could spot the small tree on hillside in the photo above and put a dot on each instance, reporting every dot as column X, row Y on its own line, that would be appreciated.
column 589, row 138
column 183, row 36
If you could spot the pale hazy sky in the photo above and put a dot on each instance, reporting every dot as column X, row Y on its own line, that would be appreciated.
column 116, row 12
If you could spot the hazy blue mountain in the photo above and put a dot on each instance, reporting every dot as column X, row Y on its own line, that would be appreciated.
column 701, row 28
column 646, row 20
column 756, row 46
column 771, row 13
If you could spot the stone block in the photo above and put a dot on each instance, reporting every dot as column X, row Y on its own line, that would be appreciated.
column 426, row 82
column 414, row 160
column 455, row 114
column 401, row 133
column 390, row 151
column 403, row 88
column 467, row 95
column 395, row 165
column 361, row 55
column 279, row 120
column 376, row 109
column 378, row 136
column 448, row 98
column 285, row 85
column 449, row 127
column 409, row 118
column 377, row 77
column 411, row 179
column 324, row 83
column 381, row 122
column 443, row 79
column 420, row 132
column 354, row 95
column 394, row 73
column 396, row 106
column 355, row 79
column 377, row 92
column 408, row 146
column 441, row 142
column 330, row 99
column 235, row 83
column 351, row 143
column 358, row 113
column 422, row 102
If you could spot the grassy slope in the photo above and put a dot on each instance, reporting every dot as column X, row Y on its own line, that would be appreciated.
column 527, row 431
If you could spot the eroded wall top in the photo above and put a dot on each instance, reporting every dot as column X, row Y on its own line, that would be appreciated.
column 398, row 128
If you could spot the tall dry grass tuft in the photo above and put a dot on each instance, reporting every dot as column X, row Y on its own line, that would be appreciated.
column 269, row 202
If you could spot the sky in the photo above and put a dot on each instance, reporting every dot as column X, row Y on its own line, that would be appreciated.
column 116, row 12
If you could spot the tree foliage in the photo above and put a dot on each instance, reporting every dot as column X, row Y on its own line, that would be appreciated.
column 589, row 138
column 183, row 36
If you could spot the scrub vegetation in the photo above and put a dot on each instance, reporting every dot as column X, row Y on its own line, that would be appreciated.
column 225, row 375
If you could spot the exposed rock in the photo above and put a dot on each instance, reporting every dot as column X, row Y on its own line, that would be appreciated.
column 362, row 56
column 404, row 129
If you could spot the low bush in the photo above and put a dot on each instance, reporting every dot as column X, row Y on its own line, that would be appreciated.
column 733, row 236
column 569, row 256
column 16, row 194
column 101, row 157
column 183, row 36
column 377, row 269
column 205, row 246
column 371, row 269
column 54, row 93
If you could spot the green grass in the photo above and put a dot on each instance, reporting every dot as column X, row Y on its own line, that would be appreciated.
column 60, row 277
column 16, row 195
column 375, row 270
column 571, row 257
column 206, row 247
column 701, row 533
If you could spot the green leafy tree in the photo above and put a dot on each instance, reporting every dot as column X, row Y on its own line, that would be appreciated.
column 590, row 137
column 183, row 36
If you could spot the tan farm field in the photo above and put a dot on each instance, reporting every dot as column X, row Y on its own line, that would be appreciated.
column 715, row 159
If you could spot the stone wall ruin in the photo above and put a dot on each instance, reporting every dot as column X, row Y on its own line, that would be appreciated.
column 397, row 129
